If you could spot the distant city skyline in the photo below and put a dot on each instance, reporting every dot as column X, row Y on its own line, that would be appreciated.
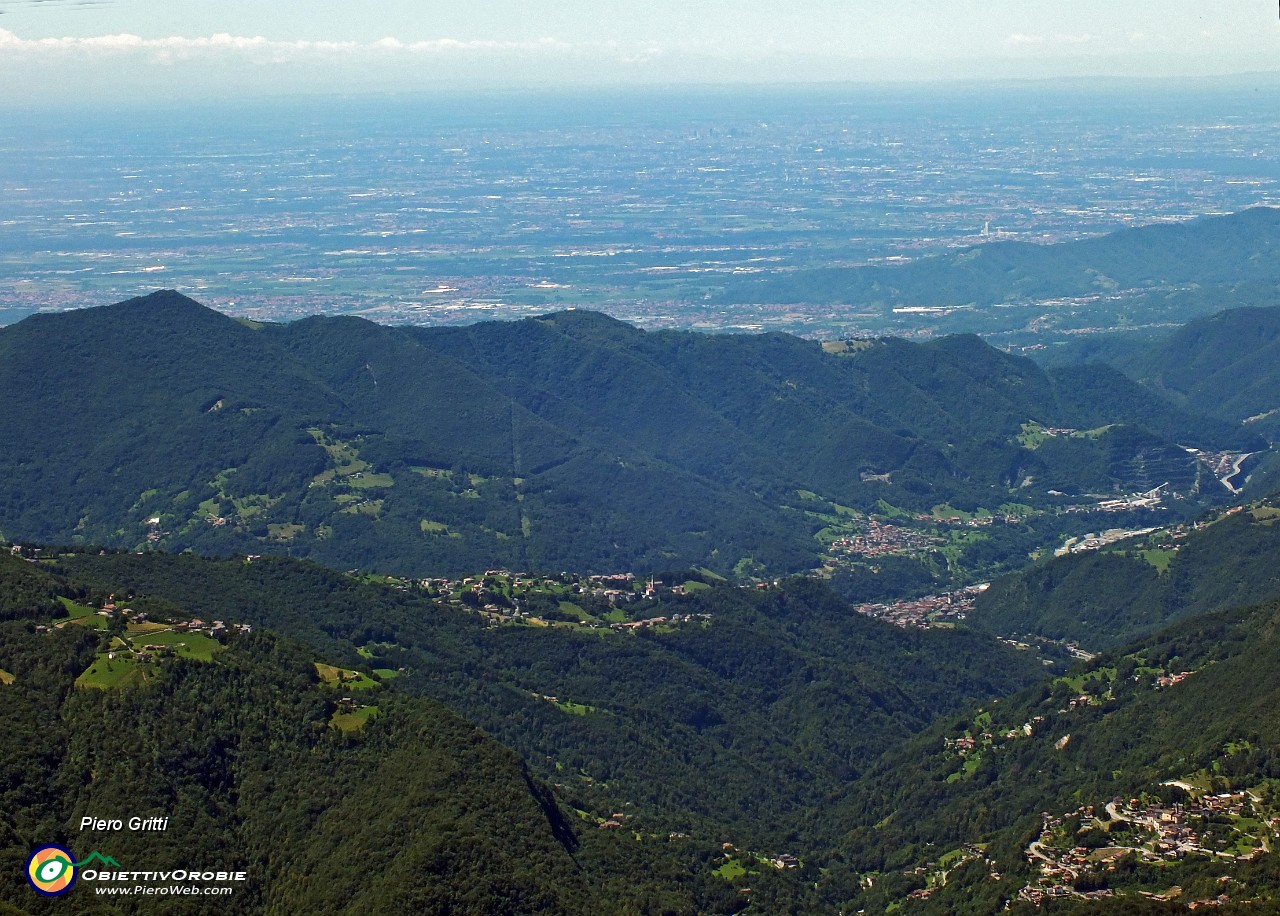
column 58, row 50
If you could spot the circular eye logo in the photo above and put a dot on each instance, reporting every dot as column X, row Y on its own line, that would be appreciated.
column 51, row 870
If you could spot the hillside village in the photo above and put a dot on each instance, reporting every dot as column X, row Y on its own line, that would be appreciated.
column 133, row 642
column 945, row 609
column 1074, row 852
column 616, row 601
column 943, row 538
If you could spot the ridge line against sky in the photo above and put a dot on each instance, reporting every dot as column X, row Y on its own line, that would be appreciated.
column 58, row 49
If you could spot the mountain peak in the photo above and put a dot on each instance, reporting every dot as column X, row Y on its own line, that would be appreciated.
column 165, row 309
column 162, row 303
column 577, row 321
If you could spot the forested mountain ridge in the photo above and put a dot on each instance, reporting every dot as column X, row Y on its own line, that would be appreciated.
column 1104, row 598
column 1226, row 365
column 782, row 723
column 570, row 441
column 1223, row 365
column 719, row 722
column 1237, row 249
column 1142, row 782
column 774, row 718
column 239, row 756
column 667, row 743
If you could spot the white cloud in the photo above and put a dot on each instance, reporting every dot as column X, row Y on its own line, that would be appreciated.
column 1018, row 39
column 222, row 42
column 452, row 44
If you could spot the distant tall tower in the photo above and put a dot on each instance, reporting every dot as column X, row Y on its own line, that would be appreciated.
column 986, row 227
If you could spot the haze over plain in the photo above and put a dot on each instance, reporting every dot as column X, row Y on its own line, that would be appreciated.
column 52, row 50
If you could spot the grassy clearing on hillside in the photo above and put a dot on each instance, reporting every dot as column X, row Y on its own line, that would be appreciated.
column 6, row 678
column 371, row 508
column 255, row 504
column 344, row 456
column 142, row 629
column 353, row 721
column 107, row 673
column 946, row 511
column 846, row 347
column 367, row 480
column 891, row 511
column 281, row 532
column 970, row 767
column 333, row 676
column 569, row 607
column 575, row 709
column 731, row 870
column 1160, row 559
column 94, row 622
column 1033, row 436
column 1021, row 510
column 1079, row 682
column 76, row 611
column 188, row 645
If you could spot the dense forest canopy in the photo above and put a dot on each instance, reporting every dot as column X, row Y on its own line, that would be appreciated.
column 571, row 441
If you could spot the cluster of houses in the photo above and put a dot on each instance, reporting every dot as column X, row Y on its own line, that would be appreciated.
column 675, row 619
column 497, row 595
column 966, row 744
column 1098, row 541
column 1226, row 467
column 216, row 629
column 921, row 613
column 1039, row 895
column 1151, row 830
column 148, row 652
column 1151, row 499
column 140, row 651
column 880, row 539
column 616, row 588
column 1148, row 500
column 1172, row 828
column 1060, row 869
column 1168, row 680
column 972, row 521
column 936, row 873
column 613, row 822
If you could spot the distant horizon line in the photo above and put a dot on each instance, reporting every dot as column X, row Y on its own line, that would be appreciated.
column 977, row 85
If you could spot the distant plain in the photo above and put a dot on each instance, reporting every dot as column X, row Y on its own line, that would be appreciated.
column 451, row 209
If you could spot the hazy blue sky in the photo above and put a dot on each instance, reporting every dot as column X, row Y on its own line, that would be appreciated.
column 78, row 48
